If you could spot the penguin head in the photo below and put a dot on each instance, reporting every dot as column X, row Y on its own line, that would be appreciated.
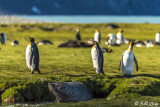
column 94, row 42
column 97, row 30
column 2, row 34
column 78, row 30
column 31, row 39
column 121, row 30
column 132, row 44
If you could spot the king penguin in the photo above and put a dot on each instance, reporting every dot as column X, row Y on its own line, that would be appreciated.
column 97, row 36
column 3, row 38
column 78, row 35
column 111, row 39
column 32, row 56
column 127, row 61
column 157, row 37
column 120, row 37
column 97, row 58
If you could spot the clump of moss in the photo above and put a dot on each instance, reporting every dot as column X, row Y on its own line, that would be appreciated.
column 36, row 91
column 12, row 95
column 135, row 87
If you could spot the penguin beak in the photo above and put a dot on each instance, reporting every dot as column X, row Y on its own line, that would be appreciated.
column 135, row 41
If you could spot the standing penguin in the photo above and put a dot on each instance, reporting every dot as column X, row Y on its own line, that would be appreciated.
column 127, row 61
column 32, row 56
column 157, row 38
column 97, row 36
column 97, row 58
column 3, row 38
column 78, row 35
column 120, row 37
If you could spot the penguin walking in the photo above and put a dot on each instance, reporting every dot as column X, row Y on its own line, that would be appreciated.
column 120, row 37
column 157, row 37
column 3, row 38
column 97, row 58
column 78, row 35
column 97, row 36
column 32, row 56
column 127, row 61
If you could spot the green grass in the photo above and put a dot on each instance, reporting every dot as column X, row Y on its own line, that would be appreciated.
column 60, row 64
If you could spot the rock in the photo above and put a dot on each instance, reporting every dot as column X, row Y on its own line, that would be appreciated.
column 74, row 43
column 70, row 91
column 112, row 26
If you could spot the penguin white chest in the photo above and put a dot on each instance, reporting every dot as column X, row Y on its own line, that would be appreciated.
column 97, row 37
column 128, row 58
column 28, row 56
column 119, row 38
column 94, row 57
column 157, row 38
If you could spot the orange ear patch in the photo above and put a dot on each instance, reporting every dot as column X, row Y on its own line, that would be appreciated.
column 29, row 44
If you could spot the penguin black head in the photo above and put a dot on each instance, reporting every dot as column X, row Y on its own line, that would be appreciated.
column 132, row 44
column 95, row 43
column 121, row 30
column 31, row 39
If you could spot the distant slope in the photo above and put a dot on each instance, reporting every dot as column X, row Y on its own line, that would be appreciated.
column 80, row 7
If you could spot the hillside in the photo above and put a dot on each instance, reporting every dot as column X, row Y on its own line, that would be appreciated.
column 80, row 7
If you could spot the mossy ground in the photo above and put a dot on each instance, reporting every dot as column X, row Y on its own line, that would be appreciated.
column 61, row 64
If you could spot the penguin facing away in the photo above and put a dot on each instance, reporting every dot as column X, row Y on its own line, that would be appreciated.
column 127, row 61
column 78, row 35
column 3, row 38
column 97, row 36
column 32, row 56
column 97, row 58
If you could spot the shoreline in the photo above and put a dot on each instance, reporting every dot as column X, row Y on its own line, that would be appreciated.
column 16, row 20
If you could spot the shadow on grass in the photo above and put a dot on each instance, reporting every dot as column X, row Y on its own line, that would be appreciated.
column 148, row 75
column 115, row 76
column 75, row 75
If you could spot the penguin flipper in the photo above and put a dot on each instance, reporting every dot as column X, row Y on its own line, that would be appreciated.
column 34, row 60
column 100, row 61
column 136, row 63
